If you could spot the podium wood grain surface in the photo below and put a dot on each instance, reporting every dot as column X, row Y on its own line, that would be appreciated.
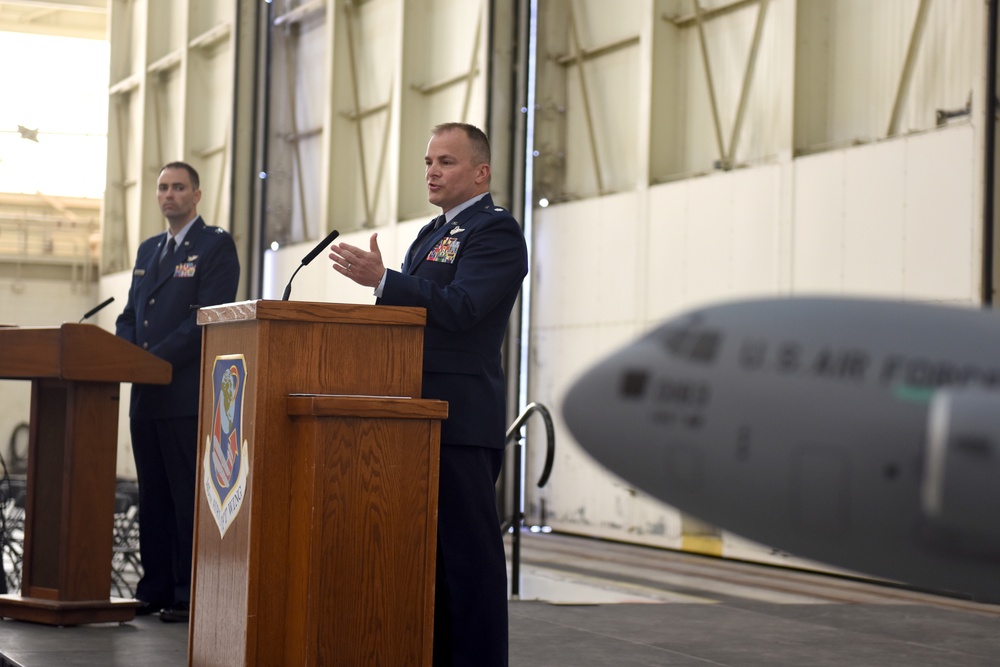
column 75, row 371
column 330, row 559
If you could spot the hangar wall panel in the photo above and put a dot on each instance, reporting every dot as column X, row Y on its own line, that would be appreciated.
column 171, row 98
column 873, row 219
column 896, row 218
column 942, row 243
column 868, row 220
column 797, row 188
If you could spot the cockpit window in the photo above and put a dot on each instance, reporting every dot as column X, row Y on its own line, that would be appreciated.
column 634, row 383
column 694, row 345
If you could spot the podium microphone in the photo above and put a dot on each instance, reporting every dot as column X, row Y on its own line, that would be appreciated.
column 308, row 258
column 96, row 308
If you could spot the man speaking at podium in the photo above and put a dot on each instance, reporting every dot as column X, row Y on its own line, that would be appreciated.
column 465, row 267
column 176, row 272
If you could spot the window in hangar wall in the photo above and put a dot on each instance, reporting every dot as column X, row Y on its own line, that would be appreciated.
column 53, row 138
column 735, row 83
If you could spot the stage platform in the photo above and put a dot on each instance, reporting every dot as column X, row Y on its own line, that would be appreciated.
column 587, row 603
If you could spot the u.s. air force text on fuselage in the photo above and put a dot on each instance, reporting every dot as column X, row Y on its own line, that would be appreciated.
column 862, row 433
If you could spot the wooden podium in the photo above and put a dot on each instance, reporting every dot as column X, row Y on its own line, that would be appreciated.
column 327, row 555
column 75, row 371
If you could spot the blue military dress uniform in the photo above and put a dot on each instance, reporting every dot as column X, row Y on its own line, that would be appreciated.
column 161, row 317
column 467, row 274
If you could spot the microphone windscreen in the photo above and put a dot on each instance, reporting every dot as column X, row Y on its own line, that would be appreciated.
column 322, row 244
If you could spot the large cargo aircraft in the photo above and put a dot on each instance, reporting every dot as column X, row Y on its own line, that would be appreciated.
column 860, row 433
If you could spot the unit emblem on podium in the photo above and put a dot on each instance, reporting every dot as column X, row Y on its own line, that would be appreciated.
column 225, row 462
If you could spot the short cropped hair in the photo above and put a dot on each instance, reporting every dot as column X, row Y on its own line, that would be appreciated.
column 195, row 181
column 477, row 138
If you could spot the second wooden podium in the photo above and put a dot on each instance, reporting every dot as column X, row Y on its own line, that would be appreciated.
column 75, row 372
column 316, row 513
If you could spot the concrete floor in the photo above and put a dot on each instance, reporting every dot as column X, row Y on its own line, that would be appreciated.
column 587, row 603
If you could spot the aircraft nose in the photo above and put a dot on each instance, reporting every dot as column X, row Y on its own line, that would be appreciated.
column 605, row 404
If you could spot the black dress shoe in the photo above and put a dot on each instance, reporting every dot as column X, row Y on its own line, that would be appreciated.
column 176, row 613
column 146, row 608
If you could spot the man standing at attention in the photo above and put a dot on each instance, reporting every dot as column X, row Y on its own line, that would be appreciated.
column 465, row 267
column 189, row 266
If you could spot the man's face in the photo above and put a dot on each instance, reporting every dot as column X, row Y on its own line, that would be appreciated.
column 176, row 196
column 452, row 174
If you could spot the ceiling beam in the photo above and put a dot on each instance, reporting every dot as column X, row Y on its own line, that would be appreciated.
column 62, row 18
column 98, row 6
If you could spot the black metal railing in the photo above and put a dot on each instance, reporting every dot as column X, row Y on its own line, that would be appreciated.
column 516, row 522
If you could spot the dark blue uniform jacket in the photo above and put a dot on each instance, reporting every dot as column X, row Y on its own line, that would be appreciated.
column 467, row 275
column 161, row 313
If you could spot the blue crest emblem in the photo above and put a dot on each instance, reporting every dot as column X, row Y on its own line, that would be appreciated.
column 225, row 461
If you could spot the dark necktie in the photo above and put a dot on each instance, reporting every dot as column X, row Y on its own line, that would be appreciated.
column 167, row 261
column 435, row 225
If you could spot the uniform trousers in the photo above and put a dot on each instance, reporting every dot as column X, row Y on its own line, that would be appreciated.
column 470, row 602
column 165, row 452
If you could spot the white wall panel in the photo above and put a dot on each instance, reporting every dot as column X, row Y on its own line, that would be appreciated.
column 755, row 259
column 558, row 237
column 591, row 252
column 580, row 495
column 709, row 252
column 735, row 222
column 942, row 244
column 896, row 218
column 873, row 219
column 712, row 237
column 669, row 213
column 818, row 230
column 611, row 240
column 865, row 220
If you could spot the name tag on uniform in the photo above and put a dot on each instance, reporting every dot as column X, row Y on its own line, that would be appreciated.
column 444, row 251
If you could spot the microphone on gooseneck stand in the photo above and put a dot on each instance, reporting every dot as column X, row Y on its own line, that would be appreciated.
column 95, row 309
column 308, row 258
